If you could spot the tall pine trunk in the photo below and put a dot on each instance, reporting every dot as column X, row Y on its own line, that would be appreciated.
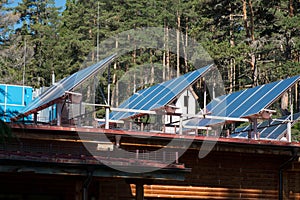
column 178, row 44
column 164, row 54
column 168, row 54
column 251, row 39
column 115, row 94
column 184, row 45
column 245, row 19
column 232, row 44
column 291, row 8
column 152, row 67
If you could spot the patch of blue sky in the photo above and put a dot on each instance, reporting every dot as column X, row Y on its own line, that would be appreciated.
column 58, row 3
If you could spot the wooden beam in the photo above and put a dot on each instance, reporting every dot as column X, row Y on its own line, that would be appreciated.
column 139, row 191
column 199, row 192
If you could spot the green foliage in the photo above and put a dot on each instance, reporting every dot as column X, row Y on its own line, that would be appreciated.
column 8, row 63
column 37, row 37
column 55, row 39
column 253, row 43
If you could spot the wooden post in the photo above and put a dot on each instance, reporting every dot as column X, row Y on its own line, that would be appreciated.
column 139, row 195
column 78, row 190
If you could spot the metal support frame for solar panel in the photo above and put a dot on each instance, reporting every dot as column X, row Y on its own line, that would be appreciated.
column 246, row 103
column 155, row 98
column 58, row 91
column 272, row 129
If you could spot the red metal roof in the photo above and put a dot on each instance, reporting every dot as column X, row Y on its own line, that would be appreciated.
column 157, row 135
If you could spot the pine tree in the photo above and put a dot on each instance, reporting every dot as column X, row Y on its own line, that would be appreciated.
column 9, row 62
column 76, row 36
column 39, row 29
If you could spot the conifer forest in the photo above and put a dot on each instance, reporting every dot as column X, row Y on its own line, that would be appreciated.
column 252, row 42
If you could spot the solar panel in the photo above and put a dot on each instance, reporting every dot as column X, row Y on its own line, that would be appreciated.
column 279, row 131
column 159, row 95
column 58, row 90
column 273, row 129
column 245, row 103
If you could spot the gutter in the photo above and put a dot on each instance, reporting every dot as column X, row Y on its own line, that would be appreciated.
column 281, row 169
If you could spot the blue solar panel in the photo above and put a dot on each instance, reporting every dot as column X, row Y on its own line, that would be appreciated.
column 241, row 104
column 67, row 84
column 270, row 95
column 158, row 95
column 281, row 128
column 265, row 132
column 245, row 103
column 236, row 98
column 273, row 129
column 261, row 125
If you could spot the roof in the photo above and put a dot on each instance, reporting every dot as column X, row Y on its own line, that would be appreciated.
column 140, row 136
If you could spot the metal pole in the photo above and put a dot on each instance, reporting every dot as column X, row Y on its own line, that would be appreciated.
column 204, row 107
column 108, row 99
column 58, row 113
column 107, row 108
column 289, row 131
column 180, row 125
column 255, row 128
column 289, row 124
column 53, row 77
column 98, row 28
column 24, row 67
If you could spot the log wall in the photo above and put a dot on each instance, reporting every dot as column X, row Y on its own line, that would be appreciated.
column 233, row 170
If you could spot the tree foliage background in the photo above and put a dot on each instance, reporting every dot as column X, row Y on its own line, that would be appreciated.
column 252, row 42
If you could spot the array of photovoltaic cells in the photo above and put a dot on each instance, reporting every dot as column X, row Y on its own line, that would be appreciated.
column 159, row 95
column 245, row 103
column 67, row 84
column 269, row 129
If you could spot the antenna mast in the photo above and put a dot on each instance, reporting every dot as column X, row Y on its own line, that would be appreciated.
column 98, row 29
column 24, row 64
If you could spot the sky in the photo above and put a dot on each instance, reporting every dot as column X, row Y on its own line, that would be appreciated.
column 58, row 3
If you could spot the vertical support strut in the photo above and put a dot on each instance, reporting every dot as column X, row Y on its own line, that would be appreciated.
column 180, row 125
column 139, row 195
column 289, row 124
column 59, row 108
column 254, row 125
column 108, row 99
column 204, row 106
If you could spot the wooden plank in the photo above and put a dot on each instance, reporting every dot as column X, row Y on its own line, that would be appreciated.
column 194, row 192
